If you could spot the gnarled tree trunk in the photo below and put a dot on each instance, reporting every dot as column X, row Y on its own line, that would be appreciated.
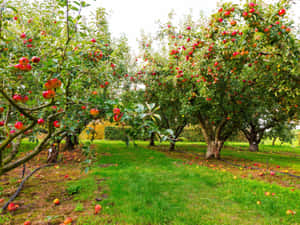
column 215, row 135
column 253, row 146
column 254, row 139
column 214, row 149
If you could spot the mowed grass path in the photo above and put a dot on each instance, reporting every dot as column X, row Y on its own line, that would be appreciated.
column 147, row 187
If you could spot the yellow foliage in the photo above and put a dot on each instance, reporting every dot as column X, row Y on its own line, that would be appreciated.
column 98, row 127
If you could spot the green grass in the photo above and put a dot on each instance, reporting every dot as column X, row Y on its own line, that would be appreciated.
column 286, row 156
column 149, row 188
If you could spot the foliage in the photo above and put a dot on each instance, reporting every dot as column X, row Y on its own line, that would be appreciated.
column 221, row 66
column 284, row 132
column 53, row 64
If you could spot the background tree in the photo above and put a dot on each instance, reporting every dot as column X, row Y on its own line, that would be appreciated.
column 223, row 64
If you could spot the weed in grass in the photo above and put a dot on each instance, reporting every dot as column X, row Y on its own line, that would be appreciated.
column 79, row 207
column 73, row 188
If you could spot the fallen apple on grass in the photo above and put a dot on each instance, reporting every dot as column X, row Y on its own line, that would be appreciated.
column 98, row 209
column 68, row 221
column 56, row 201
column 290, row 212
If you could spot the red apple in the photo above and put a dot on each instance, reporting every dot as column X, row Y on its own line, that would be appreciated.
column 281, row 12
column 227, row 13
column 19, row 125
column 12, row 207
column 41, row 121
column 251, row 4
column 23, row 61
column 49, row 94
column 27, row 222
column 68, row 220
column 56, row 201
column 252, row 10
column 98, row 209
column 245, row 14
column 35, row 59
column 1, row 109
column 56, row 124
column 2, row 123
column 94, row 112
column 93, row 40
column 116, row 111
column 23, row 35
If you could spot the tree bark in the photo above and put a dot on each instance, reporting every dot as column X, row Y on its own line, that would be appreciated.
column 253, row 146
column 274, row 140
column 71, row 142
column 152, row 137
column 172, row 146
column 214, row 149
column 53, row 153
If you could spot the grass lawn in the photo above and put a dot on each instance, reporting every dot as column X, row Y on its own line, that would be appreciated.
column 146, row 186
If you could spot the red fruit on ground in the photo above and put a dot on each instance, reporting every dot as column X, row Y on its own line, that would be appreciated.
column 68, row 220
column 11, row 207
column 98, row 209
column 56, row 201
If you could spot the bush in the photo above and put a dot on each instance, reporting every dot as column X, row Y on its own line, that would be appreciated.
column 114, row 133
column 118, row 133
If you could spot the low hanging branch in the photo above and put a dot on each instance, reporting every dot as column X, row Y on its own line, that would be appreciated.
column 21, row 186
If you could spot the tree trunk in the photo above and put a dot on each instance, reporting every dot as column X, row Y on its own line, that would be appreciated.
column 53, row 153
column 172, row 146
column 152, row 137
column 214, row 149
column 274, row 140
column 71, row 142
column 253, row 146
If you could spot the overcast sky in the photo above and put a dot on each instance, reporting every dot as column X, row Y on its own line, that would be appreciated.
column 131, row 16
